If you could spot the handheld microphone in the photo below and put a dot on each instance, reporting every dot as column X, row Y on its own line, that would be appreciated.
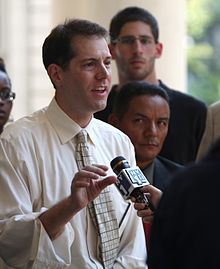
column 130, row 180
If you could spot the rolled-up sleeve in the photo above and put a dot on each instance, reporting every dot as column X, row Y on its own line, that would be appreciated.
column 23, row 241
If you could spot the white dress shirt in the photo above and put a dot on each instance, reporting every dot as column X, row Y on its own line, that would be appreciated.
column 37, row 166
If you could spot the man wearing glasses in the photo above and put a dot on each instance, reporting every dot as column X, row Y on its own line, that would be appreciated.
column 135, row 47
column 6, row 96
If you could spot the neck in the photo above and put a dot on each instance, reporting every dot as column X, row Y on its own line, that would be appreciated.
column 150, row 79
column 81, row 118
column 83, row 122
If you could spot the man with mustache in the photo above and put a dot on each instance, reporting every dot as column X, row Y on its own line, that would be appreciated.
column 141, row 110
column 135, row 47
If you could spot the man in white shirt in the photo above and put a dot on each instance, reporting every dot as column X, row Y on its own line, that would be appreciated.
column 44, row 218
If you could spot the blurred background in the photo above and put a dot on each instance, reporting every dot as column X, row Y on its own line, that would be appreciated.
column 189, row 31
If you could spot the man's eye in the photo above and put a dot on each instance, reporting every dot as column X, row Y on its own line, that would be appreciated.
column 162, row 123
column 5, row 94
column 128, row 40
column 138, row 120
column 108, row 64
column 89, row 64
column 145, row 40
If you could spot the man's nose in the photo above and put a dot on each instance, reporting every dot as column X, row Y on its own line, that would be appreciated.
column 151, row 129
column 103, row 72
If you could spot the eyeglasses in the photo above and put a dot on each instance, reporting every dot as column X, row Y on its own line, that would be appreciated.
column 7, row 95
column 130, row 40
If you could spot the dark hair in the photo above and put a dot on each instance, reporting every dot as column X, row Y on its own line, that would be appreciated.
column 2, row 65
column 3, row 69
column 57, row 46
column 131, row 14
column 132, row 89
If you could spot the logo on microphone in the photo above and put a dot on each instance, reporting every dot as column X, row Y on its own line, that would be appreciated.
column 129, row 179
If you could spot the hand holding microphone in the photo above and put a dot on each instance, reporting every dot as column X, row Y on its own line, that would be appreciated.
column 130, row 180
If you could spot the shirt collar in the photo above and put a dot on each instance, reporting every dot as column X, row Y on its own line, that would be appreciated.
column 65, row 127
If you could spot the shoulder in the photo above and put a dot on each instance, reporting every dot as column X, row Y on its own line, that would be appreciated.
column 215, row 108
column 168, row 163
column 183, row 98
column 112, row 141
column 106, row 130
column 26, row 127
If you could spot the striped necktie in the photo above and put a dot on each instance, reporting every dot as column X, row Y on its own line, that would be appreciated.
column 101, row 209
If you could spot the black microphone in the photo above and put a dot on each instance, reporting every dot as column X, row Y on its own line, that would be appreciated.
column 130, row 180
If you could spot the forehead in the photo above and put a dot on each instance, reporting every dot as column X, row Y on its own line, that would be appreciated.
column 90, row 47
column 4, row 80
column 147, row 103
column 136, row 28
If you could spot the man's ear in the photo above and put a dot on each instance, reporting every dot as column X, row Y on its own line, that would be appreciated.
column 112, row 50
column 159, row 50
column 55, row 73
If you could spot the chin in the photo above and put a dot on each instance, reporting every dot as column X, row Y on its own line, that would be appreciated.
column 100, row 106
column 148, row 157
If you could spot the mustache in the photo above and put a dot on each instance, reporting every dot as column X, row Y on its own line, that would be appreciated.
column 151, row 141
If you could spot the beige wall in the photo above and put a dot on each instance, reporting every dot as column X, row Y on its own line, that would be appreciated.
column 171, row 17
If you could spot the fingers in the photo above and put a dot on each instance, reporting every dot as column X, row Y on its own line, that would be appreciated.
column 153, row 194
column 85, row 177
column 139, row 206
column 103, row 183
column 150, row 188
column 101, row 166
column 144, row 213
column 96, row 168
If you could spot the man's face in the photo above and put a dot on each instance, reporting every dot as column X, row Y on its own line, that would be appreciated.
column 136, row 61
column 5, row 105
column 146, row 123
column 83, row 87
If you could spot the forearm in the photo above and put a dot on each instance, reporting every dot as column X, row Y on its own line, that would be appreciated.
column 55, row 218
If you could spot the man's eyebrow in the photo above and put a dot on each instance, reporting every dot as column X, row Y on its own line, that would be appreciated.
column 146, row 117
column 95, row 59
column 164, row 118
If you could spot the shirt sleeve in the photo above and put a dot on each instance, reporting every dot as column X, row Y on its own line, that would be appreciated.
column 23, row 241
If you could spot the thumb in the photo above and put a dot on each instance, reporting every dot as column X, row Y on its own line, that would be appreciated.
column 150, row 188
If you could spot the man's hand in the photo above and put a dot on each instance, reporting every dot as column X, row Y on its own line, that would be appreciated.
column 86, row 186
column 153, row 195
column 88, row 183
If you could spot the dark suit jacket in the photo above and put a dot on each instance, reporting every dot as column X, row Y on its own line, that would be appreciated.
column 163, row 169
column 185, row 232
column 186, row 127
